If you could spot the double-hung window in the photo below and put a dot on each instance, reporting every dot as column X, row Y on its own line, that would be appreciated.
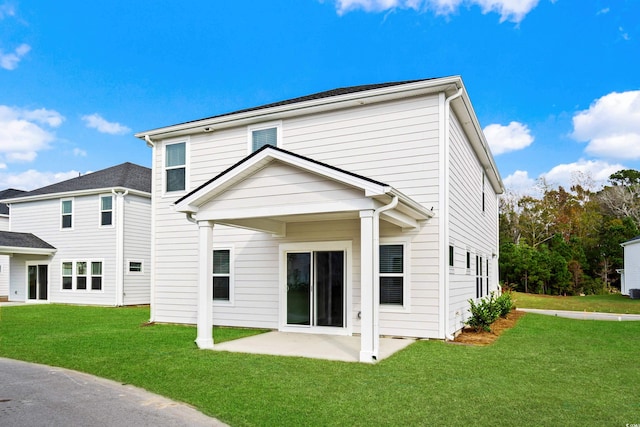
column 67, row 275
column 222, row 275
column 96, row 275
column 175, row 166
column 66, row 209
column 392, row 274
column 264, row 134
column 106, row 210
column 81, row 275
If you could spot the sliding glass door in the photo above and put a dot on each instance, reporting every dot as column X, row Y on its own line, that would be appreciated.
column 315, row 288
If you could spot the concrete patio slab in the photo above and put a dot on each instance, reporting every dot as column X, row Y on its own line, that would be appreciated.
column 315, row 346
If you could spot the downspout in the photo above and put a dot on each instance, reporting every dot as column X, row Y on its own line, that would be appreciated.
column 152, row 274
column 444, row 216
column 119, row 246
column 376, row 272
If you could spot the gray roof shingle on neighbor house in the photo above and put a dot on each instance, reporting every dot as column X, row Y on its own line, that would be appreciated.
column 318, row 95
column 126, row 175
column 22, row 240
column 7, row 194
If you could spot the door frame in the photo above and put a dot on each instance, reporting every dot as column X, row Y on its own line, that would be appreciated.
column 346, row 247
column 28, row 264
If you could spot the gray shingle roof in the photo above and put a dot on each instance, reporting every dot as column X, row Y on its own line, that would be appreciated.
column 318, row 95
column 7, row 194
column 125, row 175
column 22, row 240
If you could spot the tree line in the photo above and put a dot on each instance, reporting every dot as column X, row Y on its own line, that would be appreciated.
column 567, row 242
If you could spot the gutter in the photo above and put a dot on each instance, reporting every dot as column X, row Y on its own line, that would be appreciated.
column 376, row 273
column 119, row 246
column 444, row 212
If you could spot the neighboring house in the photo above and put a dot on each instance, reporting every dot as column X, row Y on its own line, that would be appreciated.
column 368, row 210
column 82, row 241
column 630, row 275
column 5, row 226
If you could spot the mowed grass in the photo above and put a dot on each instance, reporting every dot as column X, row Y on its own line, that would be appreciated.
column 613, row 303
column 545, row 371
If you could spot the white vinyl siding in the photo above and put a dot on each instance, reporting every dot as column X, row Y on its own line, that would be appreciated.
column 473, row 224
column 137, row 247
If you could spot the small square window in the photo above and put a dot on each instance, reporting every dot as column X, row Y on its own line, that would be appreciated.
column 135, row 266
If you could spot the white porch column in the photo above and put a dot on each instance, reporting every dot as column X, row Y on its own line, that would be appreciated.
column 205, row 285
column 367, row 347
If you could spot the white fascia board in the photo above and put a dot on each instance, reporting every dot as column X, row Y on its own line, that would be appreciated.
column 412, row 208
column 79, row 193
column 388, row 93
column 10, row 250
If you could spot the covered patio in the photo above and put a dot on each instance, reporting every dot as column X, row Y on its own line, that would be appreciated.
column 272, row 188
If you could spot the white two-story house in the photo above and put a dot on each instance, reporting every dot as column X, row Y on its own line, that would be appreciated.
column 369, row 210
column 86, row 240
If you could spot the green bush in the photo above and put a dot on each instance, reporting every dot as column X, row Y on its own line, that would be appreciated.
column 487, row 310
column 484, row 313
column 505, row 303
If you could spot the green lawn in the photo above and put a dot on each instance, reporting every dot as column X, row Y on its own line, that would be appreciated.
column 545, row 371
column 614, row 303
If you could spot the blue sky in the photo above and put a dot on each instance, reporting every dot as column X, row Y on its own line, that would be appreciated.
column 555, row 84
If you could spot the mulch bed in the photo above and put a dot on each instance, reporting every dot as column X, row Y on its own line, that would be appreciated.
column 470, row 337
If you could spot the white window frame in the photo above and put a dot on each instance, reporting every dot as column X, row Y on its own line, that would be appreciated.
column 262, row 126
column 231, row 276
column 72, row 200
column 100, row 211
column 186, row 141
column 338, row 245
column 135, row 273
column 62, row 276
column 406, row 275
column 88, row 275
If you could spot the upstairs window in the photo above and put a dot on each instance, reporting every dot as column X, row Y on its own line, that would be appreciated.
column 265, row 134
column 392, row 274
column 67, row 213
column 175, row 166
column 106, row 210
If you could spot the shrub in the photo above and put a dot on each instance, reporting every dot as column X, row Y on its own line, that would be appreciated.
column 484, row 313
column 505, row 303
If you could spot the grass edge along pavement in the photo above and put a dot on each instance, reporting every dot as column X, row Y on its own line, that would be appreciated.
column 544, row 371
column 610, row 303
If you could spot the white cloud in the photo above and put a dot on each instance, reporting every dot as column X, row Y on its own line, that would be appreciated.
column 9, row 61
column 32, row 179
column 6, row 10
column 22, row 134
column 566, row 174
column 611, row 126
column 520, row 183
column 78, row 152
column 96, row 121
column 509, row 10
column 502, row 139
column 603, row 11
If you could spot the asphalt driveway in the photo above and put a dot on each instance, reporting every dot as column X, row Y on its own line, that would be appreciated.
column 39, row 395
